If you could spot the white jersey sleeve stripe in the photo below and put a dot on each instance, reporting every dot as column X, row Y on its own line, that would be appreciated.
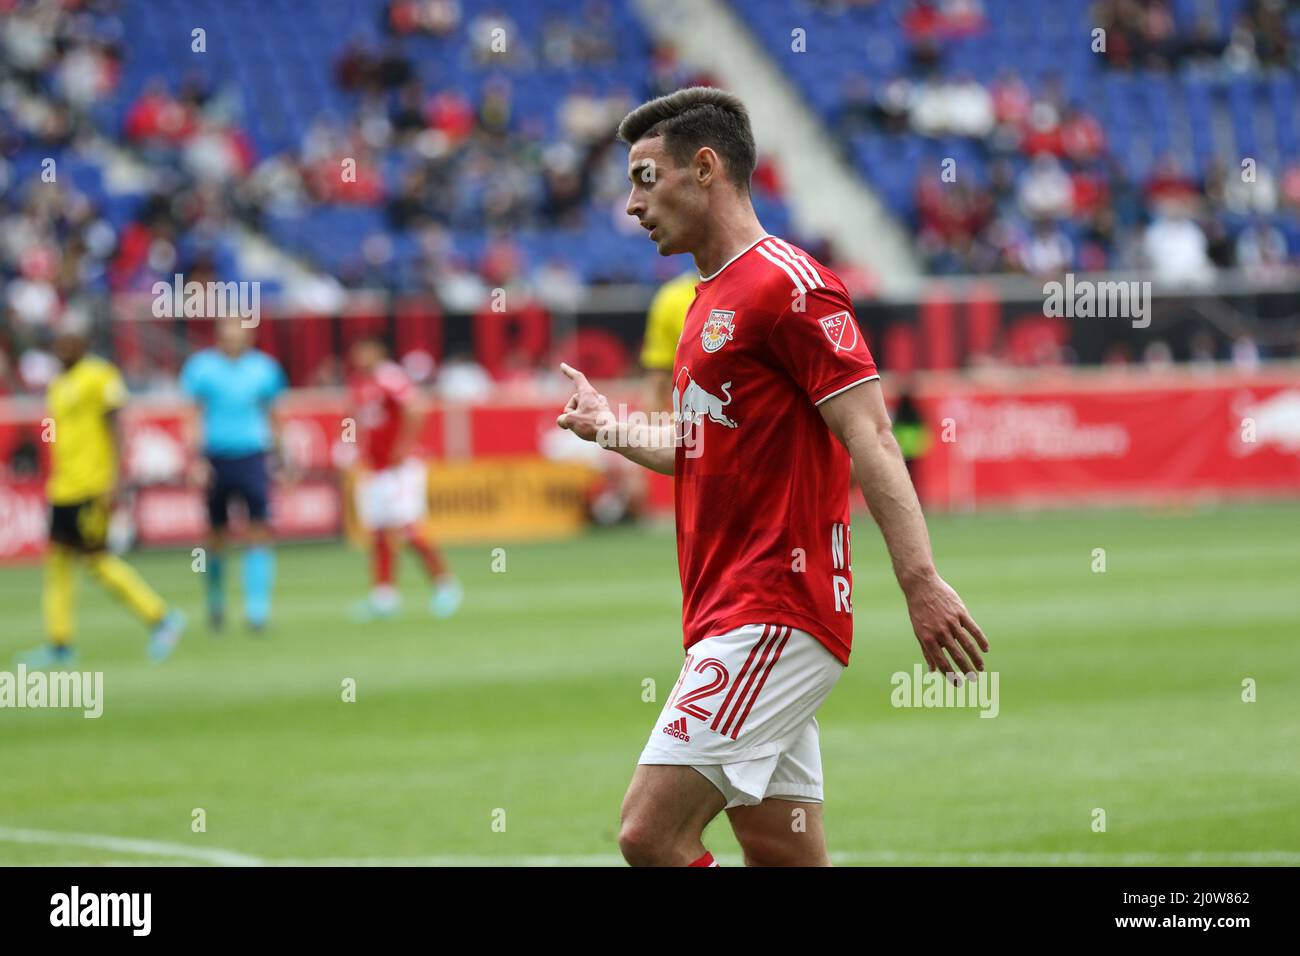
column 762, row 250
column 778, row 251
column 814, row 278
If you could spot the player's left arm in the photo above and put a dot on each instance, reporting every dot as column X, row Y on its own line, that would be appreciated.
column 859, row 419
column 277, row 385
column 276, row 421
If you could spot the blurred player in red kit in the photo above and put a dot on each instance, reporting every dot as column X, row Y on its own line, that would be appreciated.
column 391, row 491
column 775, row 395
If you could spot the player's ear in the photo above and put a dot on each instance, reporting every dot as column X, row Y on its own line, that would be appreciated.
column 705, row 165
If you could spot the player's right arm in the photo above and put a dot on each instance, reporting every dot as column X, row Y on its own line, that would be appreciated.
column 587, row 414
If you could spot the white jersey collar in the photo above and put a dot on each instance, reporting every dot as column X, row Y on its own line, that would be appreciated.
column 735, row 257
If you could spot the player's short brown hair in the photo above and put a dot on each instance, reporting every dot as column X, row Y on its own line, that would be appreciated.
column 694, row 117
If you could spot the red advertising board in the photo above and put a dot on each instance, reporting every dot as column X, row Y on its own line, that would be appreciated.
column 1102, row 442
column 1084, row 438
column 172, row 515
column 22, row 520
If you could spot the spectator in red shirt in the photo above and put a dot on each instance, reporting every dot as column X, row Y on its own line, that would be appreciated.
column 157, row 117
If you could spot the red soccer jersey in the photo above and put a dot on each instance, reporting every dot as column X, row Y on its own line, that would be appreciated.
column 761, row 484
column 378, row 400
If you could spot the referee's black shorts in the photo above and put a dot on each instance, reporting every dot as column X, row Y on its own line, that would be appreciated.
column 244, row 478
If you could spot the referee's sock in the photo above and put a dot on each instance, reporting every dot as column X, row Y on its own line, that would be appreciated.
column 259, row 575
column 214, row 586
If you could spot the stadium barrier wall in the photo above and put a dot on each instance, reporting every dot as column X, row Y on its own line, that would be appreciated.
column 504, row 471
column 948, row 325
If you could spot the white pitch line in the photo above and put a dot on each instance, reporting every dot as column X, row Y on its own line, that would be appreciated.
column 170, row 853
column 155, row 848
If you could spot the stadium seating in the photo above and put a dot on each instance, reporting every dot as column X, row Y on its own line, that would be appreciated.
column 1196, row 113
column 275, row 84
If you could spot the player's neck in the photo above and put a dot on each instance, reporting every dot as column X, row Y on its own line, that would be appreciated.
column 731, row 236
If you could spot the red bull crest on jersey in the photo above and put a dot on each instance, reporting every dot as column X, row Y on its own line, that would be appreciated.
column 719, row 328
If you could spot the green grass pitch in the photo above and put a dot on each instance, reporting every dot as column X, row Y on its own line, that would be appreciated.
column 1119, row 691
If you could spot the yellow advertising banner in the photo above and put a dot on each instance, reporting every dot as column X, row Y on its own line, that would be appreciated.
column 497, row 499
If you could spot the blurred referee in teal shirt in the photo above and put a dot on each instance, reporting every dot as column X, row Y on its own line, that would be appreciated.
column 234, row 386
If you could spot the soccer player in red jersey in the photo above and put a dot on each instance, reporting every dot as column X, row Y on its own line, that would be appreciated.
column 774, row 395
column 391, row 491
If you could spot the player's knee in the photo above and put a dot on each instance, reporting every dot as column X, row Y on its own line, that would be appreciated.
column 643, row 845
column 636, row 844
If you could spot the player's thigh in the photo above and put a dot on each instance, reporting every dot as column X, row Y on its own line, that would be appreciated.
column 92, row 524
column 781, row 832
column 253, row 484
column 218, row 494
column 376, row 498
column 669, row 802
column 413, row 493
column 63, row 526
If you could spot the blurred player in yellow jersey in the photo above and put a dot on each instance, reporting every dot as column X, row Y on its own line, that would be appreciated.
column 83, row 403
column 662, row 330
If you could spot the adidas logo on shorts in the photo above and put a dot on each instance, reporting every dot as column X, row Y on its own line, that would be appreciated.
column 678, row 729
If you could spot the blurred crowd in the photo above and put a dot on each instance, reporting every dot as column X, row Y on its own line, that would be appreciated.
column 434, row 163
column 1143, row 33
column 56, row 65
column 1048, row 192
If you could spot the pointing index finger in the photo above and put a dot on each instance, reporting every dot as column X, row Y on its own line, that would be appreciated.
column 576, row 377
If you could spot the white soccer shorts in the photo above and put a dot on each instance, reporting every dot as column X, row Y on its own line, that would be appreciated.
column 743, row 714
column 392, row 497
